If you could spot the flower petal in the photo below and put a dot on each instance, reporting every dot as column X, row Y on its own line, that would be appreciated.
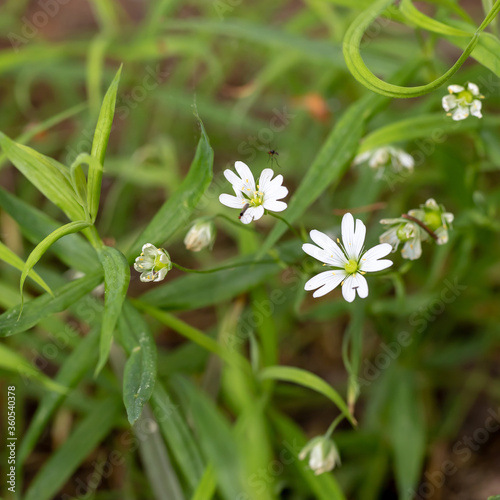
column 149, row 250
column 336, row 256
column 236, row 182
column 348, row 291
column 325, row 282
column 475, row 109
column 252, row 213
column 452, row 89
column 473, row 88
column 265, row 177
column 412, row 249
column 449, row 102
column 276, row 194
column 147, row 276
column 246, row 175
column 348, row 232
column 231, row 201
column 391, row 237
column 359, row 238
column 362, row 157
column 461, row 113
column 275, row 206
column 370, row 262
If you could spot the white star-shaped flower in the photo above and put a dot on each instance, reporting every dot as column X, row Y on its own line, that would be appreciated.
column 463, row 102
column 153, row 263
column 348, row 260
column 252, row 200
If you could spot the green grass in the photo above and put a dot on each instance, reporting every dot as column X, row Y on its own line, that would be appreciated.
column 118, row 121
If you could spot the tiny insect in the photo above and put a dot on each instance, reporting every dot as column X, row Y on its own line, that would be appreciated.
column 272, row 156
column 245, row 208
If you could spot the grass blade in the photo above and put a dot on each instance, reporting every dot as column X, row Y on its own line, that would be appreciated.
column 116, row 280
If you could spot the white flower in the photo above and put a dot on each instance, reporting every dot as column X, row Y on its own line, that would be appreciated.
column 436, row 218
column 153, row 263
column 323, row 454
column 349, row 260
column 463, row 101
column 251, row 200
column 201, row 235
column 385, row 156
column 407, row 232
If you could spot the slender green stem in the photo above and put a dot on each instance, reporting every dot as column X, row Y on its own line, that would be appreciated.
column 93, row 236
column 222, row 268
column 333, row 425
column 294, row 231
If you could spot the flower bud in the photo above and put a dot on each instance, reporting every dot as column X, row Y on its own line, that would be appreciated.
column 201, row 235
column 323, row 454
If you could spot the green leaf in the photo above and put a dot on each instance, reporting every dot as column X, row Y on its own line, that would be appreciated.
column 207, row 485
column 116, row 280
column 66, row 459
column 46, row 304
column 360, row 71
column 178, row 435
column 309, row 380
column 434, row 126
column 43, row 246
column 140, row 369
column 176, row 211
column 13, row 362
column 75, row 366
column 47, row 175
column 216, row 438
column 8, row 256
column 100, row 144
column 73, row 250
column 407, row 430
column 201, row 290
column 428, row 23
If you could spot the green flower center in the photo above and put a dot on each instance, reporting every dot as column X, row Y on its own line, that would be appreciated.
column 256, row 200
column 466, row 96
column 352, row 266
column 402, row 234
column 433, row 220
column 158, row 265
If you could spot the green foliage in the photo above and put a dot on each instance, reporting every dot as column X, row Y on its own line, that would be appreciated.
column 218, row 374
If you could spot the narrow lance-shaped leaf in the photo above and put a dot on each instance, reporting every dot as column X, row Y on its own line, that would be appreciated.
column 176, row 210
column 50, row 177
column 15, row 363
column 310, row 380
column 65, row 460
column 8, row 256
column 75, row 366
column 42, row 247
column 45, row 305
column 100, row 144
column 140, row 369
column 116, row 280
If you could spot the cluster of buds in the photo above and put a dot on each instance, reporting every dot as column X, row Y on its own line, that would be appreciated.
column 429, row 221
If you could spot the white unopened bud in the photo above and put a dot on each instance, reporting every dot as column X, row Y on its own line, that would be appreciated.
column 201, row 235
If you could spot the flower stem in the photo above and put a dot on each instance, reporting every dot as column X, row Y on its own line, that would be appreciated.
column 294, row 231
column 222, row 268
column 333, row 425
column 421, row 224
